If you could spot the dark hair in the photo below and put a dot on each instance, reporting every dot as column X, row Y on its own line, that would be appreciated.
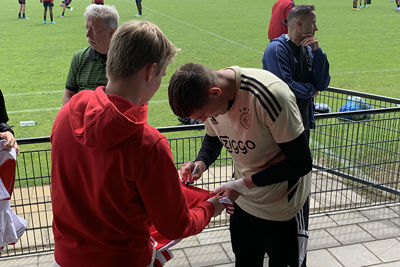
column 300, row 11
column 188, row 89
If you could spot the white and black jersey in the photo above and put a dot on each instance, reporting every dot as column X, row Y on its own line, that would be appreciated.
column 264, row 113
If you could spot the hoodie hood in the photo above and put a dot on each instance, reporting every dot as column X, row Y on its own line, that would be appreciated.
column 284, row 38
column 102, row 121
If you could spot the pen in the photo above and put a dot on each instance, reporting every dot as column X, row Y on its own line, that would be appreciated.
column 196, row 167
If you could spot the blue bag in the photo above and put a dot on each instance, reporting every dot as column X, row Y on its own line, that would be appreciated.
column 355, row 103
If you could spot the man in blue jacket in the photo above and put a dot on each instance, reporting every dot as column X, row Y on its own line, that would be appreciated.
column 298, row 60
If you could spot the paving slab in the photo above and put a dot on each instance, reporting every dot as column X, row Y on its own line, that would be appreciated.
column 379, row 213
column 207, row 255
column 179, row 259
column 321, row 257
column 386, row 250
column 350, row 217
column 354, row 255
column 320, row 222
column 321, row 239
column 350, row 234
column 381, row 229
column 214, row 236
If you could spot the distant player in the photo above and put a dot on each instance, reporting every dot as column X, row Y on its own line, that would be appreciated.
column 22, row 9
column 139, row 8
column 98, row 2
column 49, row 4
column 397, row 8
column 65, row 4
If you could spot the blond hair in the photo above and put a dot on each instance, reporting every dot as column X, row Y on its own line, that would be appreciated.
column 136, row 44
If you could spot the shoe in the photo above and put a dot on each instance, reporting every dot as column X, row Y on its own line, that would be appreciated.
column 71, row 9
column 44, row 22
column 139, row 15
column 354, row 8
column 25, row 17
column 365, row 6
column 19, row 17
column 360, row 6
column 61, row 16
column 52, row 22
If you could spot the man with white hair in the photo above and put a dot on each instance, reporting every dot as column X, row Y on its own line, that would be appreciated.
column 88, row 66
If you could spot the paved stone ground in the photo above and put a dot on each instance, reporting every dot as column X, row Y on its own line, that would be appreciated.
column 364, row 237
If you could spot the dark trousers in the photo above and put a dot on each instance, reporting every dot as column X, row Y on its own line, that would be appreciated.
column 285, row 242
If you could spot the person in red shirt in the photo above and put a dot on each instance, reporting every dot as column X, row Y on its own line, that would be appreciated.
column 278, row 21
column 49, row 4
column 113, row 174
column 98, row 2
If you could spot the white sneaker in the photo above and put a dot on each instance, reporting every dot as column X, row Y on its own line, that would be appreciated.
column 138, row 15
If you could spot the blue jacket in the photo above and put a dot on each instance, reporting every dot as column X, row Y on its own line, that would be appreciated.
column 279, row 59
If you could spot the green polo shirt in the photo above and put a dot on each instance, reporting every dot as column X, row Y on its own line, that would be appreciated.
column 87, row 70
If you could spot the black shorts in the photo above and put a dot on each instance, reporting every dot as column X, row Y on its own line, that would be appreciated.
column 285, row 242
column 21, row 2
column 48, row 4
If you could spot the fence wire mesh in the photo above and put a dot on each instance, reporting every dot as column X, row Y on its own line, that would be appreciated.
column 356, row 164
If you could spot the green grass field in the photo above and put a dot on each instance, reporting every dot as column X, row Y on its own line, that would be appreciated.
column 362, row 47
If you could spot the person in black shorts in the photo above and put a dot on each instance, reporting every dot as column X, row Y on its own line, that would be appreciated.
column 49, row 4
column 139, row 8
column 22, row 7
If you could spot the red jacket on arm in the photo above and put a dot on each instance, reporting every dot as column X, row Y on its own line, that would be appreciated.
column 113, row 174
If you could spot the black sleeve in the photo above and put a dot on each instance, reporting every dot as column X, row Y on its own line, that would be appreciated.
column 297, row 163
column 3, row 116
column 210, row 150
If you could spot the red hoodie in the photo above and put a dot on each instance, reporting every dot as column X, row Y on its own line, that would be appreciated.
column 112, row 173
column 278, row 22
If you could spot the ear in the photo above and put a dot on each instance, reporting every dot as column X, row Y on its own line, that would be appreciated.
column 111, row 33
column 214, row 91
column 150, row 71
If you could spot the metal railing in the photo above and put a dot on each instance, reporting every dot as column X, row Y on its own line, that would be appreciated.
column 356, row 164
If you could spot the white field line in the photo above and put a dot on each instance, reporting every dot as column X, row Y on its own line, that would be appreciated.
column 206, row 31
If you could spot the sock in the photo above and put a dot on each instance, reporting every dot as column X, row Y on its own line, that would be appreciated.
column 62, row 14
column 51, row 18
column 44, row 18
column 19, row 14
column 24, row 15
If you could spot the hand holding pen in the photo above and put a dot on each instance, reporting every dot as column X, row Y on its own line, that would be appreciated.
column 192, row 171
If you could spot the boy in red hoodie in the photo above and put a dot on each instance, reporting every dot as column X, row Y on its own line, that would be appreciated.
column 122, row 176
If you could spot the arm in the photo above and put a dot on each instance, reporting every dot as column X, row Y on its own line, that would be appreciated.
column 163, row 198
column 67, row 95
column 71, row 86
column 5, row 130
column 320, row 70
column 210, row 150
column 277, row 60
column 297, row 163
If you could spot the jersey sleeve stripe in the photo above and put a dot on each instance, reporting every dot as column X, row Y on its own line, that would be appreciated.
column 263, row 94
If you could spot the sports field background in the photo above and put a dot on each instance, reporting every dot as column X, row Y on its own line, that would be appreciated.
column 362, row 48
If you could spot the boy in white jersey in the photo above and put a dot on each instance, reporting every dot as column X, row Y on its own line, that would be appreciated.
column 254, row 115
